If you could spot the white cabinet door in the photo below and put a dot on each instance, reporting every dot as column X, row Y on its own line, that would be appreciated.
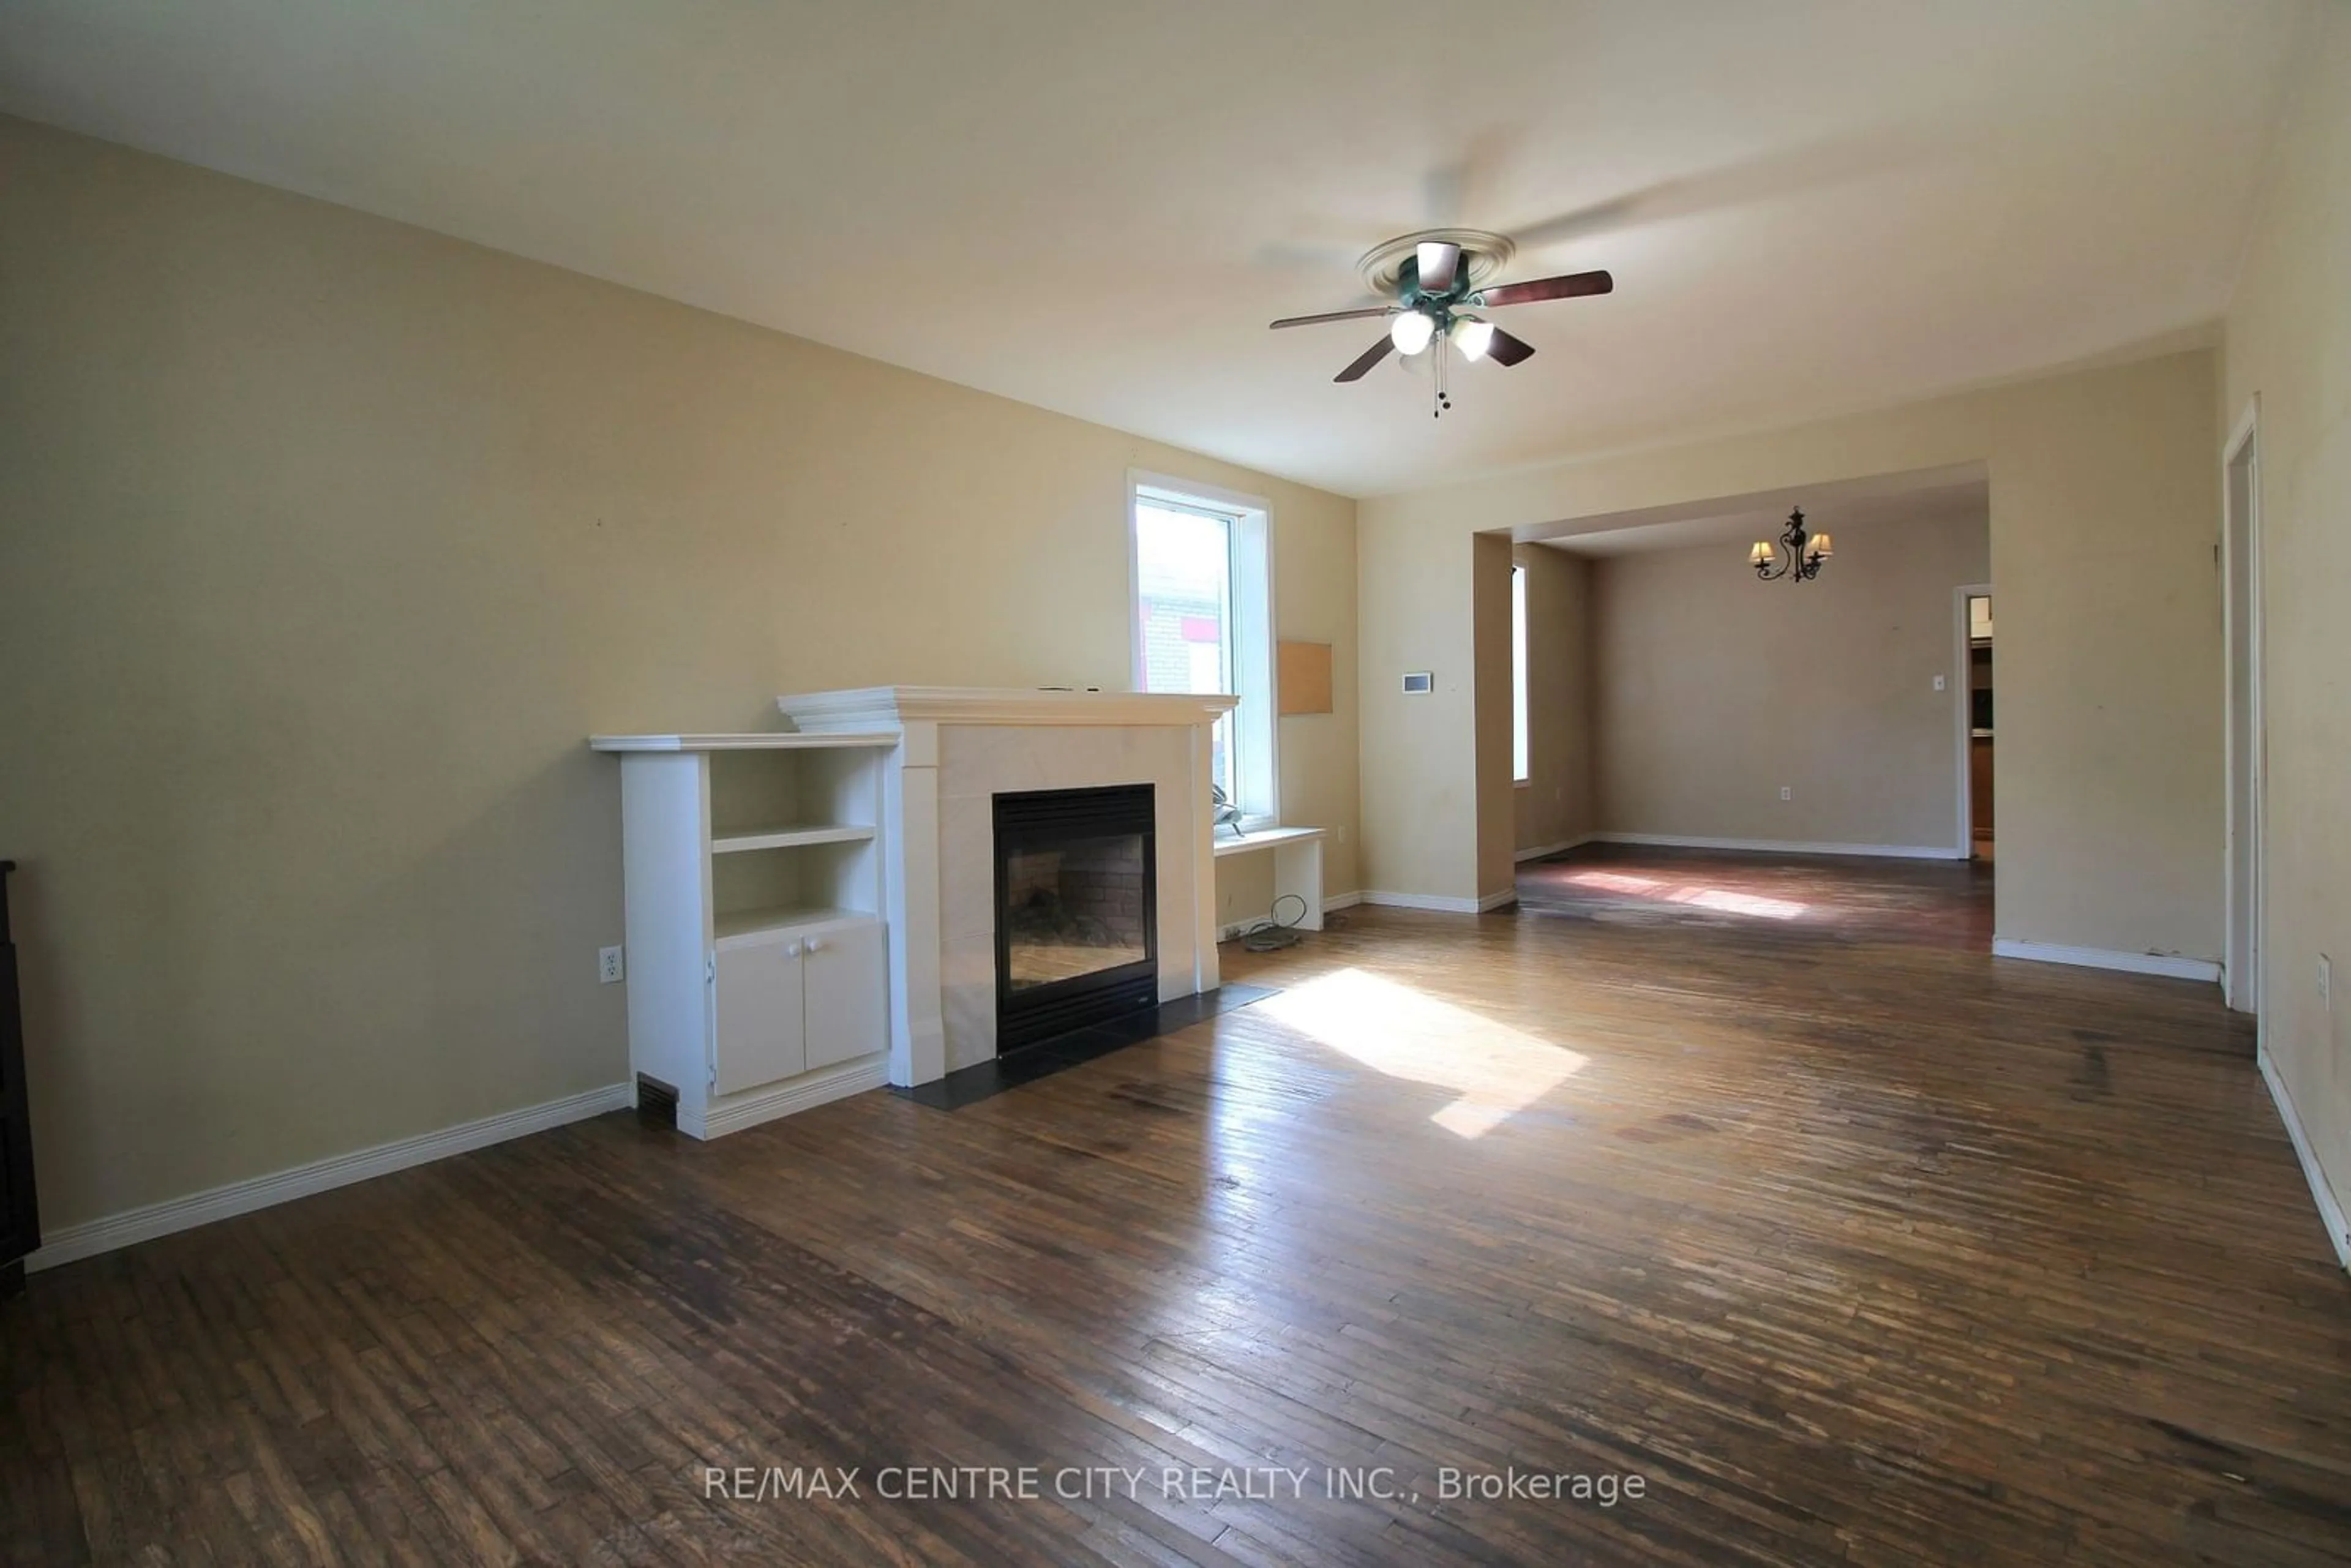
column 847, row 1001
column 761, row 1033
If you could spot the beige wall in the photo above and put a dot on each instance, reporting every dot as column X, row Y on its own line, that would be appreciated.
column 1714, row 690
column 327, row 542
column 2104, row 510
column 1554, row 805
column 2289, row 344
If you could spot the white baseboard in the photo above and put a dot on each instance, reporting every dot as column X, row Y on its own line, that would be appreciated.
column 88, row 1240
column 1785, row 846
column 1438, row 902
column 1497, row 899
column 2169, row 965
column 810, row 1090
column 1342, row 901
column 2338, row 1231
column 1539, row 851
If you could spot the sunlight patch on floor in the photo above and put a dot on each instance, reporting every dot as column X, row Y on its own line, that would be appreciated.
column 1737, row 902
column 1496, row 1071
column 1717, row 898
column 1616, row 880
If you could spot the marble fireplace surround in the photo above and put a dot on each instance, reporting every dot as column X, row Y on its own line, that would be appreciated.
column 958, row 747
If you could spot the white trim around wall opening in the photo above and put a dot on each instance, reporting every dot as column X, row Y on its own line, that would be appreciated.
column 2241, row 715
column 1522, row 734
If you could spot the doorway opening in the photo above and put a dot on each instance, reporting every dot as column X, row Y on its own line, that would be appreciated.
column 2241, row 598
column 1974, row 718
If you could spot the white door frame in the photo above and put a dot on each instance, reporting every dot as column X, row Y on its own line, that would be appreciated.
column 1963, row 702
column 2243, row 736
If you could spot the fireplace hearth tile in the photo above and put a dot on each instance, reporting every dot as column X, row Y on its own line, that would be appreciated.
column 969, row 1085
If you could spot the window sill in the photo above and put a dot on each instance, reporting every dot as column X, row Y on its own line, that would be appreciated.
column 1267, row 838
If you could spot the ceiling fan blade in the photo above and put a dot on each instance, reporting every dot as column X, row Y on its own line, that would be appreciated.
column 1435, row 263
column 1505, row 349
column 1367, row 311
column 1370, row 356
column 1575, row 285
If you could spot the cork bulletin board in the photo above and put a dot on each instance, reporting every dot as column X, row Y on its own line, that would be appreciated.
column 1302, row 675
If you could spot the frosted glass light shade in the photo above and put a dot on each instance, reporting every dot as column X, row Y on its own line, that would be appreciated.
column 1411, row 332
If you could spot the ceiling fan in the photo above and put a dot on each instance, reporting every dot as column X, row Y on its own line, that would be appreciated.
column 1438, row 278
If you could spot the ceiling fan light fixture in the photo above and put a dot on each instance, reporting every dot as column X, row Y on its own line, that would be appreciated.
column 1411, row 332
column 1429, row 282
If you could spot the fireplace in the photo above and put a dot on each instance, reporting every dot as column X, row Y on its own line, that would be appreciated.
column 1077, row 898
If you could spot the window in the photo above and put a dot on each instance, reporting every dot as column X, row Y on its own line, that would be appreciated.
column 1520, row 770
column 1203, row 623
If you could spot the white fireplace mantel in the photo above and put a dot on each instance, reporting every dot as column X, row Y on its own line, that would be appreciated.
column 884, row 708
column 958, row 746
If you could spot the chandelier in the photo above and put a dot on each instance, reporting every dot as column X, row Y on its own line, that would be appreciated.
column 1806, row 551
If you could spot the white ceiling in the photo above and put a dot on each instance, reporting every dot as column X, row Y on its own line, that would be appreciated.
column 1837, row 509
column 1809, row 205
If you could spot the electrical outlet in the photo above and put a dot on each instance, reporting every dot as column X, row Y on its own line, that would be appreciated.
column 2325, row 983
column 1939, row 682
column 608, row 967
column 1786, row 793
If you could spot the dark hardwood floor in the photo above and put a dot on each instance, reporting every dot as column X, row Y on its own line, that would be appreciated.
column 1757, row 1182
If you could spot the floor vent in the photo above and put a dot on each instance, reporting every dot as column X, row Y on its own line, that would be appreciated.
column 657, row 1103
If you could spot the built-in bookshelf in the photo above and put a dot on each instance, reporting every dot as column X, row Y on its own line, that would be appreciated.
column 756, row 955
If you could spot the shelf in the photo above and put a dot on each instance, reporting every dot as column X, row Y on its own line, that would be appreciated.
column 787, row 838
column 752, row 924
column 863, row 740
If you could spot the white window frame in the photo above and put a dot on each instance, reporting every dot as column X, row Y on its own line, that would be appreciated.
column 1257, row 761
column 1523, row 747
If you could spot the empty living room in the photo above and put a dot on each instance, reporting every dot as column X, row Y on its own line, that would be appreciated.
column 1555, row 782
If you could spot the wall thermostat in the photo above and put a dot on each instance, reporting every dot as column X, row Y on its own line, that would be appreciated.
column 1418, row 683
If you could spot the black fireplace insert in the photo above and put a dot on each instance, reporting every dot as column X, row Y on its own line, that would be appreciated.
column 1077, row 910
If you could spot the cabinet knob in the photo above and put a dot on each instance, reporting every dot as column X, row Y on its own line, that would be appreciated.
column 814, row 944
column 792, row 951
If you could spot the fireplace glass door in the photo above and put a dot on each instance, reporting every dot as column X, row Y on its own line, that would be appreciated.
column 1076, row 909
